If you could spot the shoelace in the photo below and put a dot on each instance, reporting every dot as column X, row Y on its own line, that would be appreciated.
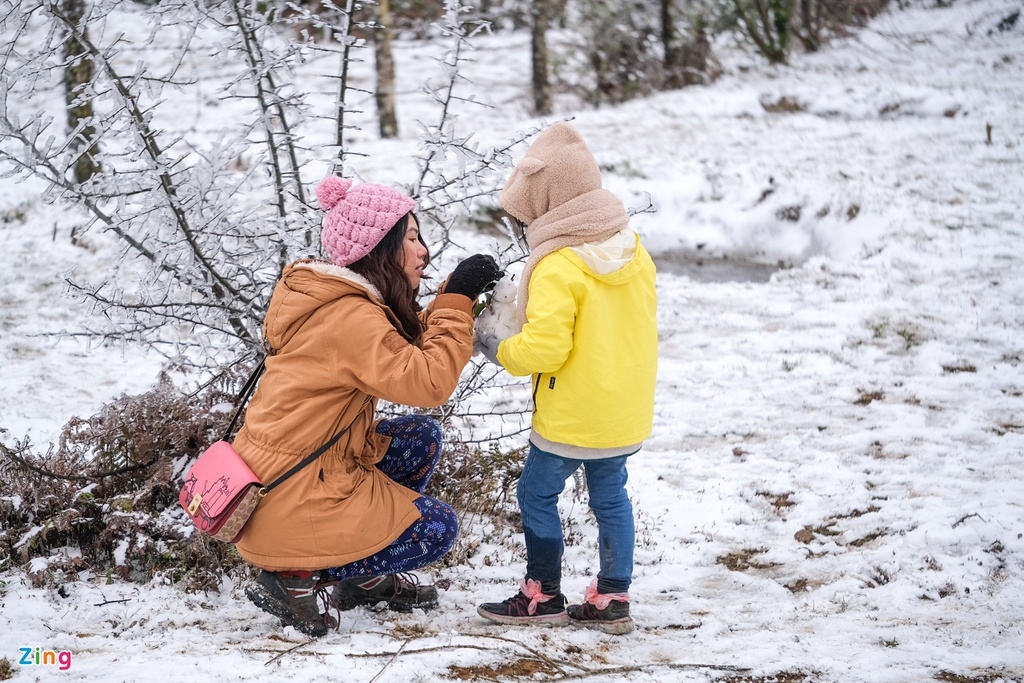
column 401, row 577
column 602, row 600
column 531, row 589
column 323, row 595
column 325, row 600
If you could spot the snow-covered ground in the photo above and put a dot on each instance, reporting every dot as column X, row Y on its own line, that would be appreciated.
column 833, row 489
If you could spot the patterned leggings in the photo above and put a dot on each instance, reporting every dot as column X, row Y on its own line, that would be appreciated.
column 410, row 460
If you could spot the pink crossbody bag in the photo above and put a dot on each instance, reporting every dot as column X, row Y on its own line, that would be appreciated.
column 220, row 492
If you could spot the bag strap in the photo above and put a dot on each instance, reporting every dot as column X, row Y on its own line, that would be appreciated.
column 307, row 460
column 243, row 395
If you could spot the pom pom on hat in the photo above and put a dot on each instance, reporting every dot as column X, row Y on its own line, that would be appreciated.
column 331, row 191
column 357, row 217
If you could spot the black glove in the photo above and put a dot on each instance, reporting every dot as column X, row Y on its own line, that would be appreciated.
column 474, row 276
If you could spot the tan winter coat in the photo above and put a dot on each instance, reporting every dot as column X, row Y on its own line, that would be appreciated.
column 336, row 351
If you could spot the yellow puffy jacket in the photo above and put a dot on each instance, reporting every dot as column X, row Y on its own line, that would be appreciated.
column 591, row 344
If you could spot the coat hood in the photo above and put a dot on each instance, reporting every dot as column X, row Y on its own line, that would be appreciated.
column 307, row 286
column 557, row 168
column 609, row 256
column 556, row 190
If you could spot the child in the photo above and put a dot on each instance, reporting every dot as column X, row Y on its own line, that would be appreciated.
column 587, row 304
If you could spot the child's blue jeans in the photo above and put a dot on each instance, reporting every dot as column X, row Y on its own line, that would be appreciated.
column 543, row 479
column 410, row 460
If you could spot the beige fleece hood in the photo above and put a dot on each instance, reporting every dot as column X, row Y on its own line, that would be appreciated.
column 556, row 190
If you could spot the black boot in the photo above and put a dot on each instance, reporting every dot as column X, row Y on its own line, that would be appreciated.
column 400, row 592
column 291, row 599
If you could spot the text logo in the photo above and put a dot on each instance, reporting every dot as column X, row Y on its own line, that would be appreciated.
column 36, row 656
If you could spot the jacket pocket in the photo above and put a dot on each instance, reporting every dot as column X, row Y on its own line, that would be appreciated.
column 376, row 448
column 536, row 388
column 341, row 478
column 540, row 385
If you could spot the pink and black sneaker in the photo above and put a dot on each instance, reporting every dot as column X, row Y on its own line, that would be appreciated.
column 529, row 606
column 607, row 612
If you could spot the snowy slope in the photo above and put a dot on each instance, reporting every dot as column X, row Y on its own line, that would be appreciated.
column 833, row 488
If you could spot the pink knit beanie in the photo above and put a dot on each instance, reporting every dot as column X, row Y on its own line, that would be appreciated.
column 357, row 217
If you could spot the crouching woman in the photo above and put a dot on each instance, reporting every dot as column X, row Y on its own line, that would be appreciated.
column 343, row 334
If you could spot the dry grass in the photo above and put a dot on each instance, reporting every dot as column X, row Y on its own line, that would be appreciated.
column 517, row 668
column 977, row 677
column 106, row 487
column 743, row 560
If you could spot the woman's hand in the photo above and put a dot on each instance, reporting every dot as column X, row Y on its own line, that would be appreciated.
column 474, row 276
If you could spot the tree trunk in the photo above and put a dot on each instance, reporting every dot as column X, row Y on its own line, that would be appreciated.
column 668, row 46
column 766, row 22
column 78, row 75
column 539, row 14
column 809, row 18
column 346, row 15
column 385, row 66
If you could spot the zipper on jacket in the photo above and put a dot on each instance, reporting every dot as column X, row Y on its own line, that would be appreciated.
column 536, row 388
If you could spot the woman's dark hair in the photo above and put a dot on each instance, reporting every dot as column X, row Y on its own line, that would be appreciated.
column 384, row 269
